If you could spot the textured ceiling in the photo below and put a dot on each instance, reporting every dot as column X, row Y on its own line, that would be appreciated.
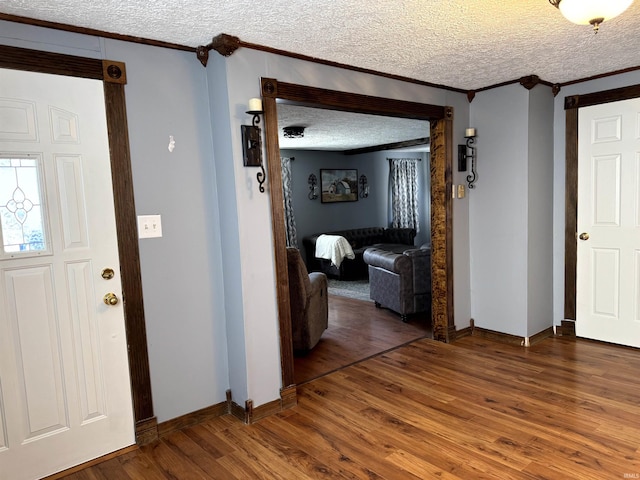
column 334, row 130
column 466, row 44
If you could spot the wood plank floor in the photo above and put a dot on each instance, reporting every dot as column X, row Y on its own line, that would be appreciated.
column 470, row 410
column 357, row 330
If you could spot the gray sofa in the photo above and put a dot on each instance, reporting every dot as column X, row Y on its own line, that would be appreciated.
column 400, row 280
column 360, row 239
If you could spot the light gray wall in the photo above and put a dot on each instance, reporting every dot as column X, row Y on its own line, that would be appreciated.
column 498, row 210
column 540, row 211
column 181, row 275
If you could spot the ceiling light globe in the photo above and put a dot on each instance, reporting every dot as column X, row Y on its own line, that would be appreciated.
column 584, row 12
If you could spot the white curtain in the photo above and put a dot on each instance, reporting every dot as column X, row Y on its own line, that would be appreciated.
column 289, row 218
column 404, row 193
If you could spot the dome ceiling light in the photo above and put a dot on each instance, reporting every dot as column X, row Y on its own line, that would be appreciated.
column 591, row 12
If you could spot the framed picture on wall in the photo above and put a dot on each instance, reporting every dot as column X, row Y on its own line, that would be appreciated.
column 339, row 185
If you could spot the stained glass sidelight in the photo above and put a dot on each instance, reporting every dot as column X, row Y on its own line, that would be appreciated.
column 21, row 209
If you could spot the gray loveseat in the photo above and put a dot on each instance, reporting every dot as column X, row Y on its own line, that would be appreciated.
column 400, row 280
column 360, row 239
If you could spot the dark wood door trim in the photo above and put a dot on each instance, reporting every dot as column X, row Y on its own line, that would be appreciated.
column 113, row 76
column 441, row 158
column 571, row 105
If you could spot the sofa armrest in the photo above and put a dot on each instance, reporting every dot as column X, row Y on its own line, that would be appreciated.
column 318, row 282
column 393, row 262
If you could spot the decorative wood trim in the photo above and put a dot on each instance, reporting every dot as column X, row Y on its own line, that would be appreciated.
column 193, row 418
column 498, row 336
column 265, row 410
column 146, row 431
column 289, row 397
column 57, row 63
column 234, row 409
column 555, row 89
column 538, row 337
column 601, row 75
column 567, row 328
column 388, row 146
column 320, row 61
column 225, row 44
column 529, row 81
column 605, row 96
column 279, row 236
column 203, row 57
column 122, row 180
column 250, row 414
column 571, row 213
column 93, row 32
column 471, row 94
column 464, row 332
column 441, row 119
column 511, row 339
column 124, row 203
column 202, row 52
column 114, row 72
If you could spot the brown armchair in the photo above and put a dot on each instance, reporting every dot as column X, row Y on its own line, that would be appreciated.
column 309, row 302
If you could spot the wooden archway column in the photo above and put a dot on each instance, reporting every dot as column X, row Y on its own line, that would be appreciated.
column 441, row 119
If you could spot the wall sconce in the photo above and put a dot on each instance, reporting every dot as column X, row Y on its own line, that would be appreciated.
column 468, row 151
column 252, row 141
column 364, row 186
column 313, row 187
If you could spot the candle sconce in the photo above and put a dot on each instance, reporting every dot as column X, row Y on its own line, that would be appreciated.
column 252, row 141
column 364, row 186
column 313, row 187
column 468, row 151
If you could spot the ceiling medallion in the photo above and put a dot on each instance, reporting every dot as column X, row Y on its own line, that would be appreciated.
column 293, row 132
column 591, row 12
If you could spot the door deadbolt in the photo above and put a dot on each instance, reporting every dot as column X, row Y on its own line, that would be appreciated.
column 107, row 273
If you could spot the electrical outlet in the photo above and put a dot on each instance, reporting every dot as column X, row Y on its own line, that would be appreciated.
column 149, row 226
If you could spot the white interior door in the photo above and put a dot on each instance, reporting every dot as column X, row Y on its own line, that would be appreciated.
column 65, row 394
column 608, row 269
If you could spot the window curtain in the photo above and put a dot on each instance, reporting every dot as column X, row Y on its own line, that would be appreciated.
column 404, row 193
column 289, row 218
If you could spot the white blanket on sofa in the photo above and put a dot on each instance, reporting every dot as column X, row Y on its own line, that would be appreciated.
column 334, row 248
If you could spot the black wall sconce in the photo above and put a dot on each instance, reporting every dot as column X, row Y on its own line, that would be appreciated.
column 364, row 186
column 313, row 187
column 468, row 151
column 252, row 141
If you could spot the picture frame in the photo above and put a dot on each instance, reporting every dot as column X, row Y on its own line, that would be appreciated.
column 338, row 185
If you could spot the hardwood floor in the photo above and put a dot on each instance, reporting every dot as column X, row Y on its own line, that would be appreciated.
column 357, row 330
column 470, row 410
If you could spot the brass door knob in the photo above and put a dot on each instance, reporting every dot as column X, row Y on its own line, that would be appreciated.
column 110, row 299
column 584, row 236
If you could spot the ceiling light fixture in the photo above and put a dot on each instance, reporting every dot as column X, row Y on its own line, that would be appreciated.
column 293, row 132
column 591, row 12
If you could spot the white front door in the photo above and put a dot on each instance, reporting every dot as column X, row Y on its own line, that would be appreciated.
column 608, row 269
column 65, row 394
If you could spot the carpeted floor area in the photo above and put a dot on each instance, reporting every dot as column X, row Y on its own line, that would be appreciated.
column 358, row 289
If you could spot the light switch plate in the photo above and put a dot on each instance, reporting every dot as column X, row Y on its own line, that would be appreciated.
column 149, row 226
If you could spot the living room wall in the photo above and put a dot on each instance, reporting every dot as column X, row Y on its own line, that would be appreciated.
column 313, row 216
